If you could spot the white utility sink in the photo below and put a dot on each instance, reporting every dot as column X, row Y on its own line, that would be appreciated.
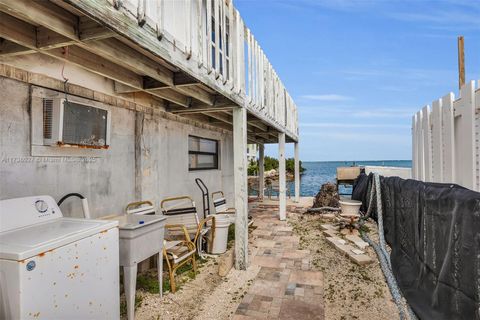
column 141, row 236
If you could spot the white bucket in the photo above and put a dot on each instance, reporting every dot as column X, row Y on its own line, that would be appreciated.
column 222, row 222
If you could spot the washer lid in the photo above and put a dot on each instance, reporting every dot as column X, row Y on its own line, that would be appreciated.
column 24, row 243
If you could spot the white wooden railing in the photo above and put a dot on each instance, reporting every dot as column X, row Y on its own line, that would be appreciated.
column 213, row 33
column 446, row 139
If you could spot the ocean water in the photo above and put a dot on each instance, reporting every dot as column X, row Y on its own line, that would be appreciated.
column 320, row 172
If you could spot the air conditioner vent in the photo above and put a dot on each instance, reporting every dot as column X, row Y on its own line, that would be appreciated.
column 47, row 118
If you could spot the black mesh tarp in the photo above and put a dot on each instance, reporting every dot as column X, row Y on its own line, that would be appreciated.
column 433, row 231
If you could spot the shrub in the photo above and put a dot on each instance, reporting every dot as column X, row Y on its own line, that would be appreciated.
column 272, row 163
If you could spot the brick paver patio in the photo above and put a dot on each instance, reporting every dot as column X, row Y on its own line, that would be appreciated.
column 285, row 287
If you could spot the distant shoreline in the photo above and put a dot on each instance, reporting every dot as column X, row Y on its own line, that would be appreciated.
column 331, row 161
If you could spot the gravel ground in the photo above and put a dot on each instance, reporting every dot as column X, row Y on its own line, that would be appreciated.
column 350, row 291
column 208, row 296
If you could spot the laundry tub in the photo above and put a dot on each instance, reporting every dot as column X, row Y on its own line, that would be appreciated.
column 141, row 236
column 222, row 222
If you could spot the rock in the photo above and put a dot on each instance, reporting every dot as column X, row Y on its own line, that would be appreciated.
column 270, row 173
column 327, row 196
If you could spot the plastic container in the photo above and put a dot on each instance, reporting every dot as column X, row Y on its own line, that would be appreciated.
column 222, row 222
column 350, row 208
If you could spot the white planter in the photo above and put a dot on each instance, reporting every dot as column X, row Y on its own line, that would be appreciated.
column 350, row 208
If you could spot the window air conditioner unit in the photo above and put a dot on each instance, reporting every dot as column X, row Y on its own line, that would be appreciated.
column 71, row 123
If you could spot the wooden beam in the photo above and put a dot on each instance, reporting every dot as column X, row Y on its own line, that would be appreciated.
column 198, row 117
column 114, row 50
column 48, row 39
column 258, row 124
column 182, row 79
column 18, row 31
column 91, row 30
column 96, row 64
column 205, row 119
column 220, row 102
column 219, row 116
column 461, row 62
column 202, row 109
column 150, row 83
column 23, row 33
column 172, row 96
column 262, row 139
column 123, row 88
column 9, row 48
column 197, row 93
column 44, row 13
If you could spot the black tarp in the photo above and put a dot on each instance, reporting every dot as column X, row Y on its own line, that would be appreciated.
column 433, row 231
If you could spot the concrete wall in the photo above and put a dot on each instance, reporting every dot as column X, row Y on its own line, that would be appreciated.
column 112, row 180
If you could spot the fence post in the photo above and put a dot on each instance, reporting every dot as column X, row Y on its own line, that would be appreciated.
column 427, row 144
column 448, row 138
column 437, row 143
column 464, row 111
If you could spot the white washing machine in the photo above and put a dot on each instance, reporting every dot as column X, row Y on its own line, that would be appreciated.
column 53, row 267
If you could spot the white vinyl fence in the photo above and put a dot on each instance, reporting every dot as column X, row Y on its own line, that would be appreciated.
column 446, row 139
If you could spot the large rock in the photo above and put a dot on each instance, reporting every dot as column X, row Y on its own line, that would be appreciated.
column 327, row 196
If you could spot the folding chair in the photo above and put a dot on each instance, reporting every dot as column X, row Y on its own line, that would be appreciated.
column 220, row 203
column 184, row 234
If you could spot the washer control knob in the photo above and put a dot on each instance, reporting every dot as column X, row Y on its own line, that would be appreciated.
column 41, row 206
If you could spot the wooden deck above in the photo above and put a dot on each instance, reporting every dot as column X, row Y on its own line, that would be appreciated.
column 196, row 58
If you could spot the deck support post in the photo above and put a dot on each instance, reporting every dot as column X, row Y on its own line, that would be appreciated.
column 282, row 177
column 240, row 183
column 297, row 173
column 261, row 171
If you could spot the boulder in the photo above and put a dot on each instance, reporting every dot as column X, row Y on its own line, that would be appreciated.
column 327, row 196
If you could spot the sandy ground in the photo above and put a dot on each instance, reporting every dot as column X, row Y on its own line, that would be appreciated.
column 350, row 291
column 206, row 297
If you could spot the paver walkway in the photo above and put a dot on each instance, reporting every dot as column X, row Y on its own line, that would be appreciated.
column 285, row 287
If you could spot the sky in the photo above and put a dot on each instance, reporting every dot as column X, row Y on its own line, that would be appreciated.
column 359, row 69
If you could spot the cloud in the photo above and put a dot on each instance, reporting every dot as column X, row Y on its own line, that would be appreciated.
column 371, row 138
column 326, row 97
column 358, row 111
column 383, row 113
column 453, row 18
column 352, row 125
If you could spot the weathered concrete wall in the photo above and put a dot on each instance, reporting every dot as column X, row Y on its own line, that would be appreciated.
column 109, row 182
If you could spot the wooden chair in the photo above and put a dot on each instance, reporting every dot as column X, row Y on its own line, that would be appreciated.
column 184, row 234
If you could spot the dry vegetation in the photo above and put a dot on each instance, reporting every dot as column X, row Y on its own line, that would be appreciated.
column 204, row 297
column 350, row 291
